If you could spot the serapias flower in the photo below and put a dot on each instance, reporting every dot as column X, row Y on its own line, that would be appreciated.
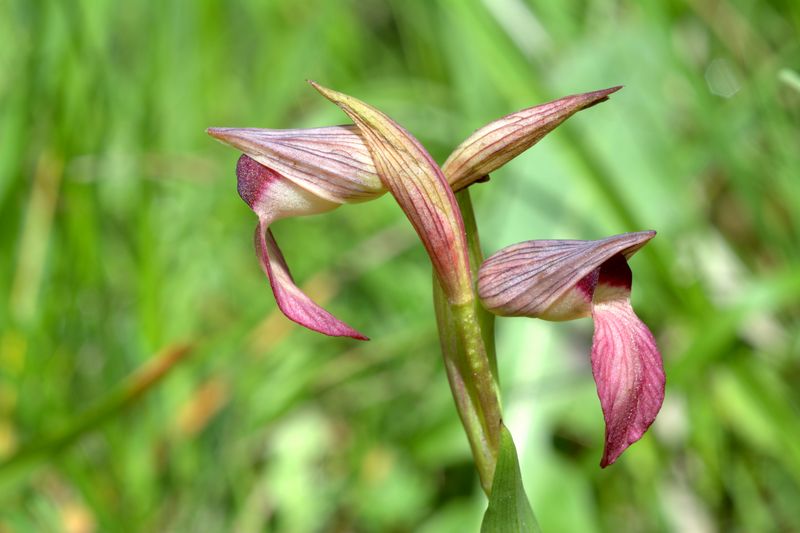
column 298, row 172
column 563, row 280
column 286, row 173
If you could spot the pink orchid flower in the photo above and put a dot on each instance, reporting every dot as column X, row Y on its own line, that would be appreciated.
column 285, row 173
column 564, row 280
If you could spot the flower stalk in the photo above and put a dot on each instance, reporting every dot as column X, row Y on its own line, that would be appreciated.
column 423, row 193
column 466, row 333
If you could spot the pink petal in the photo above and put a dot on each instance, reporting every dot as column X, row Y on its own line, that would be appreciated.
column 294, row 303
column 627, row 369
column 527, row 278
column 332, row 162
column 420, row 188
column 500, row 141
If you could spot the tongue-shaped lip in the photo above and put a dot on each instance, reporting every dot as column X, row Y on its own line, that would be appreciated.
column 272, row 196
column 292, row 301
column 626, row 363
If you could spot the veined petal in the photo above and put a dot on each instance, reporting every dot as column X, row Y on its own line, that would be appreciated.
column 419, row 186
column 295, row 304
column 626, row 363
column 495, row 144
column 333, row 162
column 529, row 278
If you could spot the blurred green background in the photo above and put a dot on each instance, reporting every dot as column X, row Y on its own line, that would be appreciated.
column 123, row 241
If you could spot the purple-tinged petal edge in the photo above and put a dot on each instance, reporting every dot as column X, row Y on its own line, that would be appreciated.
column 626, row 364
column 293, row 302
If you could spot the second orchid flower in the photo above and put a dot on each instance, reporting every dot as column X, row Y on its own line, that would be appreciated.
column 564, row 280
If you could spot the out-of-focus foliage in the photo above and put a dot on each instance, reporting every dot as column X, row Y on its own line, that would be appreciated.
column 121, row 236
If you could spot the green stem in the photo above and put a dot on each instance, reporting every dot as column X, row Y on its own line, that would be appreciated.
column 485, row 318
column 466, row 332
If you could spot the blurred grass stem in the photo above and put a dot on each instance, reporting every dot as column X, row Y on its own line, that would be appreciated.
column 124, row 395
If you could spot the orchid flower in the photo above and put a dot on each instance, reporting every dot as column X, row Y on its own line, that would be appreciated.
column 284, row 173
column 564, row 280
column 287, row 173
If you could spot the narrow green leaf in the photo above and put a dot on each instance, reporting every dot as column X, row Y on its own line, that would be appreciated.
column 509, row 510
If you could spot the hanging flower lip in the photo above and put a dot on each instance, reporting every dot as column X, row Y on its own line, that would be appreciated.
column 286, row 173
column 626, row 363
column 563, row 280
column 272, row 197
column 528, row 278
column 332, row 162
column 292, row 301
column 496, row 143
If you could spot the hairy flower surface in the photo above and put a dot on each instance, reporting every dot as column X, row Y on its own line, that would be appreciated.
column 564, row 280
